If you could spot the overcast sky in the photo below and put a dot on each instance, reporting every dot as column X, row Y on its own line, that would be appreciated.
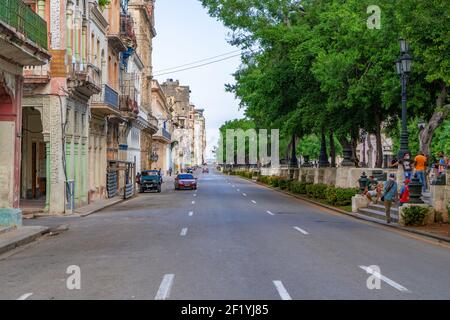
column 186, row 33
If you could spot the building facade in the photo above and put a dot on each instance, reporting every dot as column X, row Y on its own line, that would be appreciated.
column 23, row 43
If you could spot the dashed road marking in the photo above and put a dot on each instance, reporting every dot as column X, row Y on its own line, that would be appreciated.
column 390, row 282
column 25, row 296
column 164, row 289
column 193, row 202
column 254, row 201
column 270, row 213
column 191, row 213
column 301, row 230
column 244, row 194
column 281, row 290
column 183, row 232
column 237, row 190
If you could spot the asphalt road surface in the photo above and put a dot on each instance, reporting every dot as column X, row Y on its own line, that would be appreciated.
column 230, row 239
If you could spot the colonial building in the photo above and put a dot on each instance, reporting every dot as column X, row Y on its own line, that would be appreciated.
column 162, row 140
column 23, row 42
column 199, row 137
column 182, row 135
column 142, row 13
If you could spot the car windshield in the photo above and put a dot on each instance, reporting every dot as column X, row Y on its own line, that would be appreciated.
column 185, row 176
column 150, row 173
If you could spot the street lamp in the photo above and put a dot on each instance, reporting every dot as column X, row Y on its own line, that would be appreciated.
column 403, row 65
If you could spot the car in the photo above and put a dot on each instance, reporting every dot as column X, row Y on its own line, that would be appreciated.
column 185, row 181
column 150, row 180
column 205, row 170
column 189, row 170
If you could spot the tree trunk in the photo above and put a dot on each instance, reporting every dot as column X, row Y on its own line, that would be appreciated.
column 369, row 151
column 379, row 143
column 332, row 149
column 440, row 114
column 354, row 144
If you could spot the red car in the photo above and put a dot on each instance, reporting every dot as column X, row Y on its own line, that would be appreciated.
column 185, row 181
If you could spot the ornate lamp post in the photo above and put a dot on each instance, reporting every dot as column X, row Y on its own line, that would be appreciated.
column 323, row 157
column 403, row 65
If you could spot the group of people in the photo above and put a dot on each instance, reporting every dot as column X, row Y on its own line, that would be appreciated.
column 388, row 191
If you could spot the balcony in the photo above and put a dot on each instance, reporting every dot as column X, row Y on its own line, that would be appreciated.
column 128, row 100
column 36, row 75
column 84, row 79
column 106, row 102
column 127, row 31
column 23, row 34
column 163, row 135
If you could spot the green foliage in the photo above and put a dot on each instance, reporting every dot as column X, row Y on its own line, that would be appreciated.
column 340, row 196
column 298, row 187
column 317, row 191
column 322, row 68
column 415, row 215
column 103, row 3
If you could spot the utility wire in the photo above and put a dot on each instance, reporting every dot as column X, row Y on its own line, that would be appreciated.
column 198, row 61
column 198, row 66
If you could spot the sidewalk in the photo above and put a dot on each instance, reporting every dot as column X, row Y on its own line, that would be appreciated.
column 13, row 238
column 97, row 206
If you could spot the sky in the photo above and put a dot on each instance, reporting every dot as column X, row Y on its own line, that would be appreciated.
column 186, row 33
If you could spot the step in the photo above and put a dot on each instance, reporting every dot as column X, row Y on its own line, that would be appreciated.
column 377, row 214
column 380, row 207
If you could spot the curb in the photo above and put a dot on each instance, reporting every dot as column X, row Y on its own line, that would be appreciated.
column 351, row 214
column 24, row 239
column 107, row 206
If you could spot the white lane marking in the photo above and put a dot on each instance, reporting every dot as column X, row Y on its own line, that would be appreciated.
column 25, row 296
column 282, row 290
column 194, row 194
column 301, row 230
column 270, row 213
column 193, row 202
column 164, row 289
column 244, row 194
column 254, row 201
column 390, row 282
column 191, row 213
column 237, row 190
column 183, row 232
column 233, row 186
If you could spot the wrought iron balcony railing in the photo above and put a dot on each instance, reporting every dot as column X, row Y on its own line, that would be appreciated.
column 18, row 15
column 108, row 96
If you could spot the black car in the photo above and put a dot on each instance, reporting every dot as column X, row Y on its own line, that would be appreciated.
column 150, row 180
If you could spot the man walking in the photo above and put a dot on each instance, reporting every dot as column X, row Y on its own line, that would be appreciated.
column 389, row 195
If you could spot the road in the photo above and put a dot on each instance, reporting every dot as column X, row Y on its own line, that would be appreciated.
column 230, row 239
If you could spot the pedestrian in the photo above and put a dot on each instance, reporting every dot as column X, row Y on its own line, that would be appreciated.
column 138, row 178
column 170, row 171
column 372, row 189
column 404, row 192
column 389, row 195
column 420, row 162
column 407, row 164
column 160, row 174
column 442, row 165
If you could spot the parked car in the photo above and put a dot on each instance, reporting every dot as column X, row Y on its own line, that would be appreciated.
column 185, row 181
column 150, row 180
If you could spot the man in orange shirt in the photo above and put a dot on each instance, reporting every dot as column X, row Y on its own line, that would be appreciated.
column 420, row 164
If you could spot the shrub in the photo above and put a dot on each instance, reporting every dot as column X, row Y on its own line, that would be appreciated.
column 284, row 183
column 415, row 215
column 317, row 191
column 298, row 187
column 340, row 196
